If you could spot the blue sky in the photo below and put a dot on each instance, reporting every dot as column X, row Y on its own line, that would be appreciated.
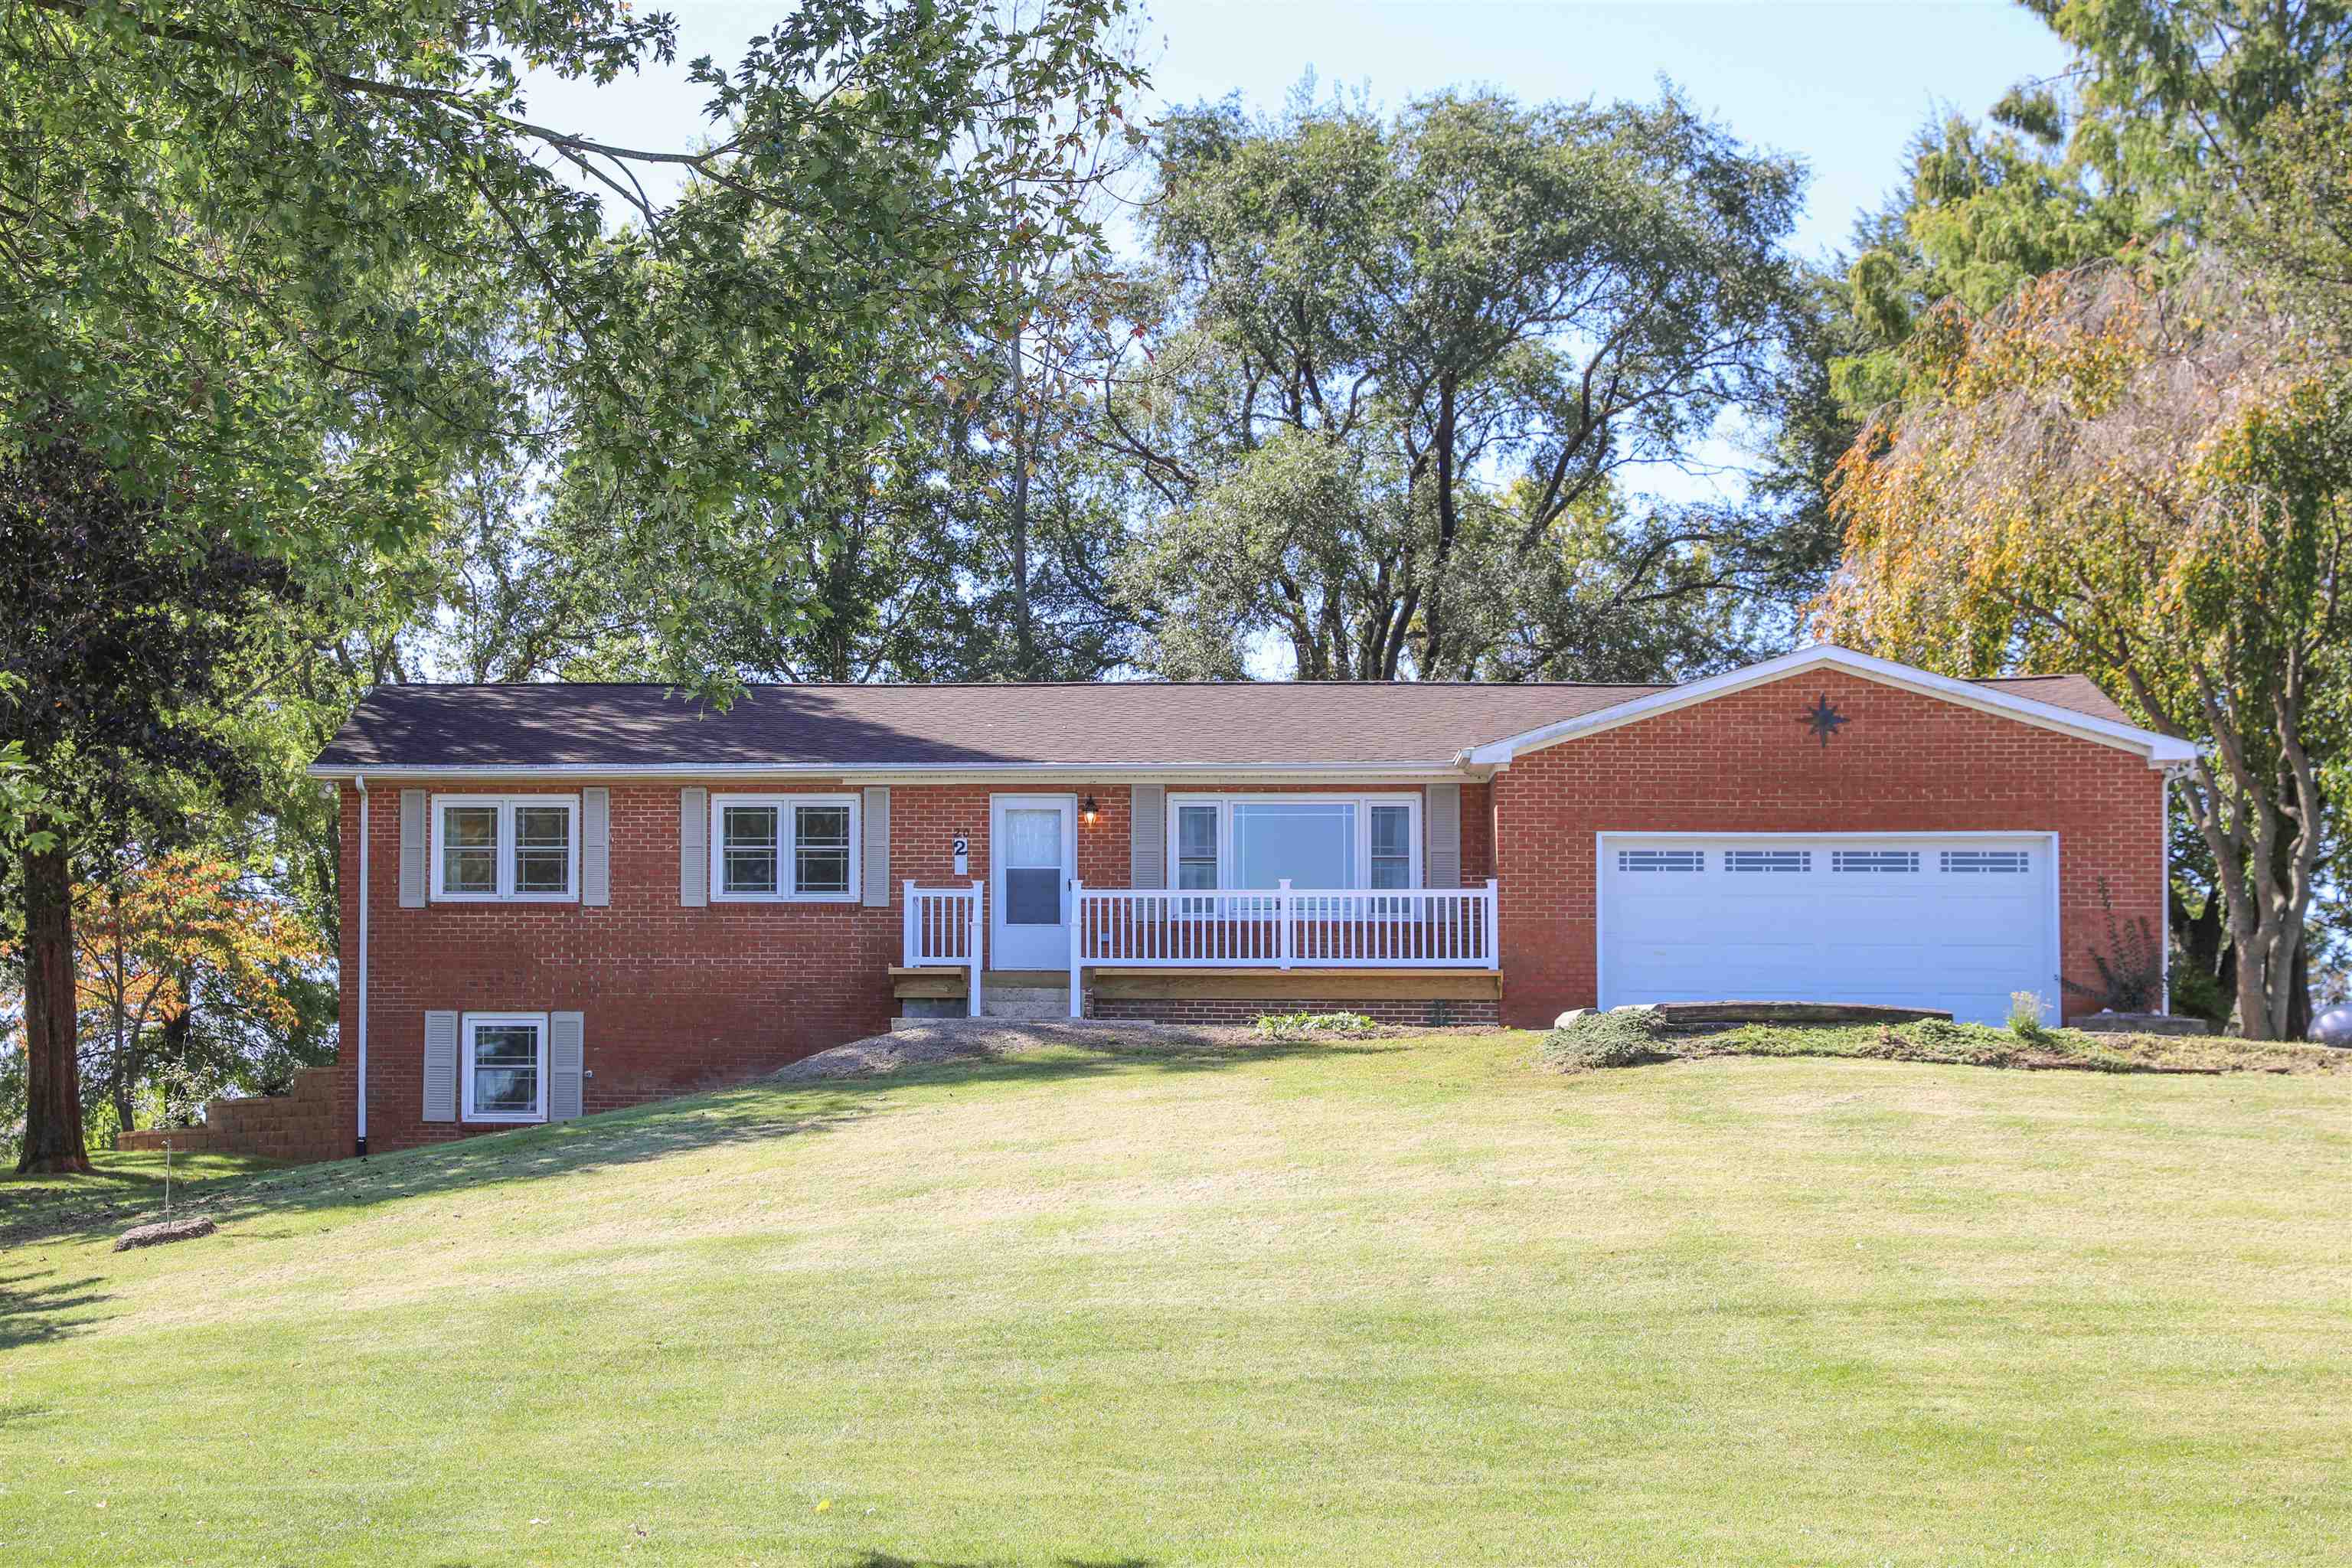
column 1842, row 84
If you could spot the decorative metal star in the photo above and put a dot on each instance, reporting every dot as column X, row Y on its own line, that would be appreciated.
column 1823, row 720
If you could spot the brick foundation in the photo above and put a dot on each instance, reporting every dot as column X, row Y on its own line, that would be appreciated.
column 1436, row 1013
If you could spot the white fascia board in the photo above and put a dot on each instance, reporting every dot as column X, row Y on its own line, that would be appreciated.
column 1450, row 771
column 2161, row 751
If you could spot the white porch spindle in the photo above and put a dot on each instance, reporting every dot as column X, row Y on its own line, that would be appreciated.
column 1282, row 928
column 1077, row 947
column 941, row 928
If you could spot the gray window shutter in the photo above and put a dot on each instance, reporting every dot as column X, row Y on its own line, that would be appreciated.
column 412, row 849
column 595, row 846
column 1147, row 836
column 874, row 860
column 440, row 1067
column 566, row 1063
column 1442, row 865
column 694, row 848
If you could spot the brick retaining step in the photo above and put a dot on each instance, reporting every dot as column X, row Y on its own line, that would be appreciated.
column 300, row 1125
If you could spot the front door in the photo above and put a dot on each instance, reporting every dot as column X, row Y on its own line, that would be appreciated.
column 1033, row 854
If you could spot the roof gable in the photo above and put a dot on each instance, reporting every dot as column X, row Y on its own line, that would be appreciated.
column 2068, row 704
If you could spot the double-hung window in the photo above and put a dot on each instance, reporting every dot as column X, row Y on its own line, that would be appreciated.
column 1316, row 842
column 523, row 846
column 784, row 848
column 505, row 1067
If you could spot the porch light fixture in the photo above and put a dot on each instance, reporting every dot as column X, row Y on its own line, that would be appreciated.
column 1088, row 810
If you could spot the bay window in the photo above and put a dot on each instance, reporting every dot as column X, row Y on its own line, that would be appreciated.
column 784, row 848
column 523, row 846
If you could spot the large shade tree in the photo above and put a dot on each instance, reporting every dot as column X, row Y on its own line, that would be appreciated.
column 118, row 636
column 2153, row 484
column 274, row 274
column 1406, row 366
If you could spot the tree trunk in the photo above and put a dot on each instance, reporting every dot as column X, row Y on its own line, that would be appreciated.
column 1024, row 636
column 53, row 1130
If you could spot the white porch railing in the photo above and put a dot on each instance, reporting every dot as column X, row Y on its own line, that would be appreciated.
column 940, row 927
column 1284, row 928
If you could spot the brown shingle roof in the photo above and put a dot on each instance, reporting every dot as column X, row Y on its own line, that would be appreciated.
column 1108, row 723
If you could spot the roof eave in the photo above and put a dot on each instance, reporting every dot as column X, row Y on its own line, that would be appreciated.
column 1449, row 769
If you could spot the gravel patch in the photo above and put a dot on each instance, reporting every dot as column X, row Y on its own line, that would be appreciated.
column 965, row 1039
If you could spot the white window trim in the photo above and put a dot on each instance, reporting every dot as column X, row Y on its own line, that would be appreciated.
column 506, row 805
column 786, row 862
column 467, row 1024
column 1225, row 800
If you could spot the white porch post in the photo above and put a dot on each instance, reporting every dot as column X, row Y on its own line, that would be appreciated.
column 906, row 925
column 972, row 946
column 1282, row 914
column 1494, row 931
column 1077, row 970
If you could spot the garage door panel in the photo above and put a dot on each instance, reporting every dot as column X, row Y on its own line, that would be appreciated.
column 1882, row 921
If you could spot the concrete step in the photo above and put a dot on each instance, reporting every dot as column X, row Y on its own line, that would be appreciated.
column 1033, row 1001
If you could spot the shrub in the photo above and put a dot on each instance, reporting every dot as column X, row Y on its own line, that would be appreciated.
column 1274, row 1025
column 2131, row 969
column 1605, row 1041
column 2025, row 1015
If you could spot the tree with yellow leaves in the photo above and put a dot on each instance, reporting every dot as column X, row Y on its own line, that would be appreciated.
column 2154, row 485
column 177, row 958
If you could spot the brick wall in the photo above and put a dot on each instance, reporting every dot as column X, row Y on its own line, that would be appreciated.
column 675, row 999
column 1743, row 763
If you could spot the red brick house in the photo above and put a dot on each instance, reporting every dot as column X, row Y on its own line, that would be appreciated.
column 561, row 898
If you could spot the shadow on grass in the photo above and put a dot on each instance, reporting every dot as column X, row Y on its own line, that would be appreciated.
column 887, row 1559
column 33, row 1308
column 754, row 1112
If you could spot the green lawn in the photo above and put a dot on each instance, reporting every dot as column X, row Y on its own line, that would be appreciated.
column 1376, row 1301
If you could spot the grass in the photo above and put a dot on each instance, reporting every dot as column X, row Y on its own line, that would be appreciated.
column 1380, row 1302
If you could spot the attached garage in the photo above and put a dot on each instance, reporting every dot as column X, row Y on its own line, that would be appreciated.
column 1955, row 922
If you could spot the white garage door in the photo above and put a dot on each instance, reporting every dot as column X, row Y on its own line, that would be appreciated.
column 1953, row 923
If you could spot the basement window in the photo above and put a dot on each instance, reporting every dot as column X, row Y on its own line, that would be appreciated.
column 505, row 1067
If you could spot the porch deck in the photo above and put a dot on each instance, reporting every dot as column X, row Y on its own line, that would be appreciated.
column 1167, row 944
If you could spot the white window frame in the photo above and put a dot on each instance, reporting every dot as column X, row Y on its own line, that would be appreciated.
column 467, row 1024
column 787, row 860
column 1225, row 801
column 506, row 805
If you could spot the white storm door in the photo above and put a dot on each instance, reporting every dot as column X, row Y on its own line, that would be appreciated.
column 1032, row 855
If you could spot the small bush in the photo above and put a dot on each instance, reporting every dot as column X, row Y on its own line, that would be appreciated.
column 2131, row 968
column 2025, row 1015
column 1605, row 1041
column 1274, row 1025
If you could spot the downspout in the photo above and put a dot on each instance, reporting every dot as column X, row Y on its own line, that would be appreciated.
column 361, row 780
